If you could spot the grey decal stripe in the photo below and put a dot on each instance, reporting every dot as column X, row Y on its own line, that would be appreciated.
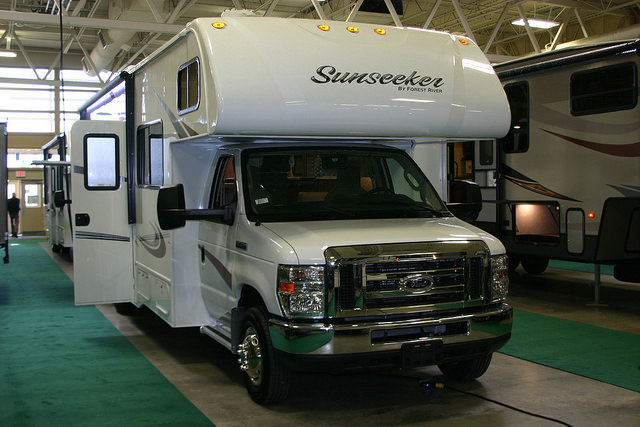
column 78, row 169
column 87, row 235
column 180, row 130
column 222, row 270
column 154, row 244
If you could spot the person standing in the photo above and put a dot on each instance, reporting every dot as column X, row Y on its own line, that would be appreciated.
column 13, row 207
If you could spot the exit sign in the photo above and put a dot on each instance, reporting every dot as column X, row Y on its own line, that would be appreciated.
column 20, row 174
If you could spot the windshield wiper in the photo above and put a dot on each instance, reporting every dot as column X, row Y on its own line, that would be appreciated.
column 350, row 214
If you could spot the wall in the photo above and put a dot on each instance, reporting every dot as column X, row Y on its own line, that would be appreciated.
column 31, row 217
column 28, row 140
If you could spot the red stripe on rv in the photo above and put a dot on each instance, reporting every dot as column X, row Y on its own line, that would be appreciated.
column 620, row 150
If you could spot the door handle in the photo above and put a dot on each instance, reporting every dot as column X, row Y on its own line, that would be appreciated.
column 82, row 219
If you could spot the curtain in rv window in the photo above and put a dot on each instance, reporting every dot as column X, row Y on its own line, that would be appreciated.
column 150, row 155
column 604, row 89
column 189, row 86
column 101, row 162
column 517, row 140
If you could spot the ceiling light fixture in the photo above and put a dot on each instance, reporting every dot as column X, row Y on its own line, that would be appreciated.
column 536, row 23
column 7, row 54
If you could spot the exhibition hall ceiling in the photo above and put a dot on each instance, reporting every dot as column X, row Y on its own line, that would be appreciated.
column 125, row 31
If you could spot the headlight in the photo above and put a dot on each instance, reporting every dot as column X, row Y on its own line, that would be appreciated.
column 499, row 277
column 301, row 290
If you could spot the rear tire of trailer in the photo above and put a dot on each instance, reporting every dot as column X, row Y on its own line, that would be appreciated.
column 466, row 370
column 535, row 264
column 267, row 380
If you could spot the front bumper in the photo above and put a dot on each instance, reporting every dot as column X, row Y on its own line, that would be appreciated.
column 383, row 341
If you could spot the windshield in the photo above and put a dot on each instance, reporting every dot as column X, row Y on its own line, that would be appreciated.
column 302, row 184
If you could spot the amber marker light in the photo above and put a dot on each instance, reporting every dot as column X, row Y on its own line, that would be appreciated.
column 352, row 29
column 287, row 287
column 464, row 41
column 324, row 27
column 218, row 25
column 380, row 31
column 591, row 215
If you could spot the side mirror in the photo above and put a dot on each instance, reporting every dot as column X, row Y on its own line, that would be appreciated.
column 58, row 199
column 172, row 214
column 170, row 207
column 467, row 199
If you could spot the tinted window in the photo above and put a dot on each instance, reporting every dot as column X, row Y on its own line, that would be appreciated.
column 188, row 86
column 150, row 155
column 308, row 184
column 604, row 89
column 517, row 140
column 486, row 152
column 223, row 192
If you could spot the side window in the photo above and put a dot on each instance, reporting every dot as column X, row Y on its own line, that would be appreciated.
column 604, row 89
column 485, row 152
column 189, row 86
column 150, row 155
column 101, row 162
column 517, row 140
column 223, row 190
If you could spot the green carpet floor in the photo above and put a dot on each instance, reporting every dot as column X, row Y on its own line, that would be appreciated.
column 590, row 351
column 580, row 266
column 62, row 365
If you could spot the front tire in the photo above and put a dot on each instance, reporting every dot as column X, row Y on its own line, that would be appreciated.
column 535, row 264
column 267, row 380
column 466, row 370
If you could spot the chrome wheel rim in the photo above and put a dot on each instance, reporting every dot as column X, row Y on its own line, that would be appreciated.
column 250, row 356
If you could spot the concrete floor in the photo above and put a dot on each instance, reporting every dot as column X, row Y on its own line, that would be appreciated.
column 207, row 374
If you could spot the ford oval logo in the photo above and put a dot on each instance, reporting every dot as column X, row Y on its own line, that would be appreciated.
column 417, row 282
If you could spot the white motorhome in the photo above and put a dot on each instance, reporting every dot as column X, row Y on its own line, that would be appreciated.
column 57, row 194
column 261, row 187
column 564, row 183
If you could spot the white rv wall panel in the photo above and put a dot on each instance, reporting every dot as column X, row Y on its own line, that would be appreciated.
column 273, row 76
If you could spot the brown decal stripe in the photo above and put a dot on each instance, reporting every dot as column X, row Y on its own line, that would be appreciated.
column 530, row 184
column 619, row 150
column 224, row 273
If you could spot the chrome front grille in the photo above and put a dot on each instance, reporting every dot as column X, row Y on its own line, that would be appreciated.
column 388, row 279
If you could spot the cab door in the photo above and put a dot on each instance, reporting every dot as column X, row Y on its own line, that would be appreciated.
column 103, row 244
column 215, row 240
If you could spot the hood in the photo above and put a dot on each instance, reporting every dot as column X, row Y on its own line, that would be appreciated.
column 309, row 239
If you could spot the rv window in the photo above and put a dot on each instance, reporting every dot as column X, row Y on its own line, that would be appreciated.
column 101, row 162
column 517, row 140
column 188, row 86
column 604, row 89
column 150, row 155
column 223, row 191
column 486, row 152
column 323, row 183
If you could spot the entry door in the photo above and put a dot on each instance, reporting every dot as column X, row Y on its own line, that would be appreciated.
column 474, row 161
column 102, row 236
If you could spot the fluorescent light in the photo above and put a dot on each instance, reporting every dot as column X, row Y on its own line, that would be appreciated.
column 7, row 54
column 536, row 23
